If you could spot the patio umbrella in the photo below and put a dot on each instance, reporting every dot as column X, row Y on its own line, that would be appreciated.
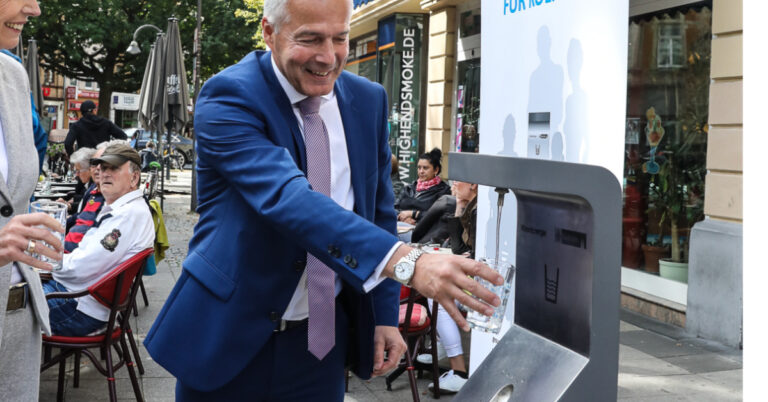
column 152, row 87
column 176, row 95
column 32, row 65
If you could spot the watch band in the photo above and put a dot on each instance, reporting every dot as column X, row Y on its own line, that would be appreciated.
column 414, row 255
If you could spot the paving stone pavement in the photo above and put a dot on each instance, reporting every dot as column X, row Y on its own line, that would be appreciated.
column 652, row 367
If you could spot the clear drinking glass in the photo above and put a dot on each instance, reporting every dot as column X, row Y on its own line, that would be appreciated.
column 58, row 211
column 492, row 324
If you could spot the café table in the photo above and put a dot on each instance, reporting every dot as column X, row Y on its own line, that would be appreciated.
column 49, row 196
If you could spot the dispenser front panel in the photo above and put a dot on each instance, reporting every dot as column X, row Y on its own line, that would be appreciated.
column 555, row 268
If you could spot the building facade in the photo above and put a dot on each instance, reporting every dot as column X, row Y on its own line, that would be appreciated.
column 683, row 138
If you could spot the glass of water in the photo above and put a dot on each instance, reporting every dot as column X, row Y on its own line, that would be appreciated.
column 492, row 324
column 58, row 211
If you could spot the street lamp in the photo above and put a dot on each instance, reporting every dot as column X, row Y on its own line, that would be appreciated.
column 134, row 48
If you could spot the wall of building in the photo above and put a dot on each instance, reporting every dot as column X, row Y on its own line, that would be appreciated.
column 715, row 302
column 442, row 61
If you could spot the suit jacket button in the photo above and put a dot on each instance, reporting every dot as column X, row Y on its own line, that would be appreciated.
column 337, row 253
column 347, row 259
column 353, row 263
column 331, row 249
column 299, row 265
column 6, row 211
column 274, row 317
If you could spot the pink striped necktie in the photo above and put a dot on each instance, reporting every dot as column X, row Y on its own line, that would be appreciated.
column 321, row 287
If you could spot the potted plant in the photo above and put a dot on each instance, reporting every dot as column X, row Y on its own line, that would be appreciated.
column 675, row 193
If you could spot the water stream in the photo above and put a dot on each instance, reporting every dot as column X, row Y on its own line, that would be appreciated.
column 500, row 203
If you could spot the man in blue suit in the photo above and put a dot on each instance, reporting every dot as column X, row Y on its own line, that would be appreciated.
column 287, row 278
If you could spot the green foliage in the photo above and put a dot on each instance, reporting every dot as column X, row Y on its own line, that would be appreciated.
column 252, row 14
column 86, row 39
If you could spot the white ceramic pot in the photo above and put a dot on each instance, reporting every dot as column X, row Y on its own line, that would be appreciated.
column 677, row 271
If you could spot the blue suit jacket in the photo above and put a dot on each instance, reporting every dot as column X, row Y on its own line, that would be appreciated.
column 259, row 217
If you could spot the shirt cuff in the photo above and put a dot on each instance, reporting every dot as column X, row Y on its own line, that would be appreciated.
column 376, row 277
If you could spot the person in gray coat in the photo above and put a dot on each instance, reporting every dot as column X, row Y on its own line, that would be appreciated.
column 23, row 310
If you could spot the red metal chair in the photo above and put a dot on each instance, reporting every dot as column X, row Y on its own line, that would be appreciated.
column 116, row 290
column 415, row 324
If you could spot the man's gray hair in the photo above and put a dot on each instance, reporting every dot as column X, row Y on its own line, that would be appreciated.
column 133, row 167
column 105, row 144
column 82, row 156
column 275, row 11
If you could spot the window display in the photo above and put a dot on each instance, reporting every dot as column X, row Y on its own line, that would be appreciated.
column 665, row 138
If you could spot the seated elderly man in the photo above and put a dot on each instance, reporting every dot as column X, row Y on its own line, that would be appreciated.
column 121, row 230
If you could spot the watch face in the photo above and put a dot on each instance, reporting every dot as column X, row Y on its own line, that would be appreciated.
column 403, row 270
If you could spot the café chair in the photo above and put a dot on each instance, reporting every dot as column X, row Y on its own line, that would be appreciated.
column 116, row 290
column 416, row 323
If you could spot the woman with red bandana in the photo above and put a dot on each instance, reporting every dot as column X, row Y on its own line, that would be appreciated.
column 418, row 196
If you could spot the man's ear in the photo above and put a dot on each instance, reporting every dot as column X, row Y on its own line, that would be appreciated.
column 268, row 31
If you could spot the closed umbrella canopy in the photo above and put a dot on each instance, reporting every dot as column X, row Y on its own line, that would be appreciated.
column 176, row 94
column 151, row 86
column 33, row 70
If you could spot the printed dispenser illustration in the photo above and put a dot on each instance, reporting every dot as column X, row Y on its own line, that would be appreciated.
column 538, row 135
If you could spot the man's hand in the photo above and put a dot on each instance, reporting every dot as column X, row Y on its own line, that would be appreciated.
column 386, row 339
column 16, row 234
column 445, row 278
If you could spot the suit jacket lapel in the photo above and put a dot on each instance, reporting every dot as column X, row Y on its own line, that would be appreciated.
column 284, row 106
column 353, row 134
column 5, row 112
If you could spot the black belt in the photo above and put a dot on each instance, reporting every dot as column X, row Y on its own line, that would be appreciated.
column 17, row 296
column 285, row 325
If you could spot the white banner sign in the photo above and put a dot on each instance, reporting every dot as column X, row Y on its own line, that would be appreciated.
column 553, row 86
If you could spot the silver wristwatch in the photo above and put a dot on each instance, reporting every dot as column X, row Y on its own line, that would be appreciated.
column 405, row 268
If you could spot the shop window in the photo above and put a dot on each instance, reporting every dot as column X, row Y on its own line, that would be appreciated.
column 468, row 106
column 670, row 45
column 469, row 23
column 666, row 136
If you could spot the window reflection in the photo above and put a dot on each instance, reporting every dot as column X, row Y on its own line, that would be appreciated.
column 666, row 134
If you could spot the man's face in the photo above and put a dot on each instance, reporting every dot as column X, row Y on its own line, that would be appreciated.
column 83, row 172
column 311, row 46
column 116, row 181
column 95, row 170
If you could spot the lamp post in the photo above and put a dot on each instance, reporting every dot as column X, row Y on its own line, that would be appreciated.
column 196, row 78
column 134, row 48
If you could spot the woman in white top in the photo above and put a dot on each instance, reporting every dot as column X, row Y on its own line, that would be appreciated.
column 23, row 310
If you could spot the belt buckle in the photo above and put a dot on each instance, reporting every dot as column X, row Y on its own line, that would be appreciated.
column 282, row 326
column 17, row 296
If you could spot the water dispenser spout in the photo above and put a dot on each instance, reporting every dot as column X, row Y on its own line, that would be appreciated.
column 502, row 192
column 500, row 203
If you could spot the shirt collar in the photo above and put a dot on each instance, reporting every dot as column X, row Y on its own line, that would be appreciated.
column 294, row 96
column 126, row 198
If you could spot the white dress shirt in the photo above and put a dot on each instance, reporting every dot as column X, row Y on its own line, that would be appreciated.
column 341, row 186
column 86, row 264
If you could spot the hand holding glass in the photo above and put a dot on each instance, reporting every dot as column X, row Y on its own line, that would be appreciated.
column 58, row 211
column 492, row 324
